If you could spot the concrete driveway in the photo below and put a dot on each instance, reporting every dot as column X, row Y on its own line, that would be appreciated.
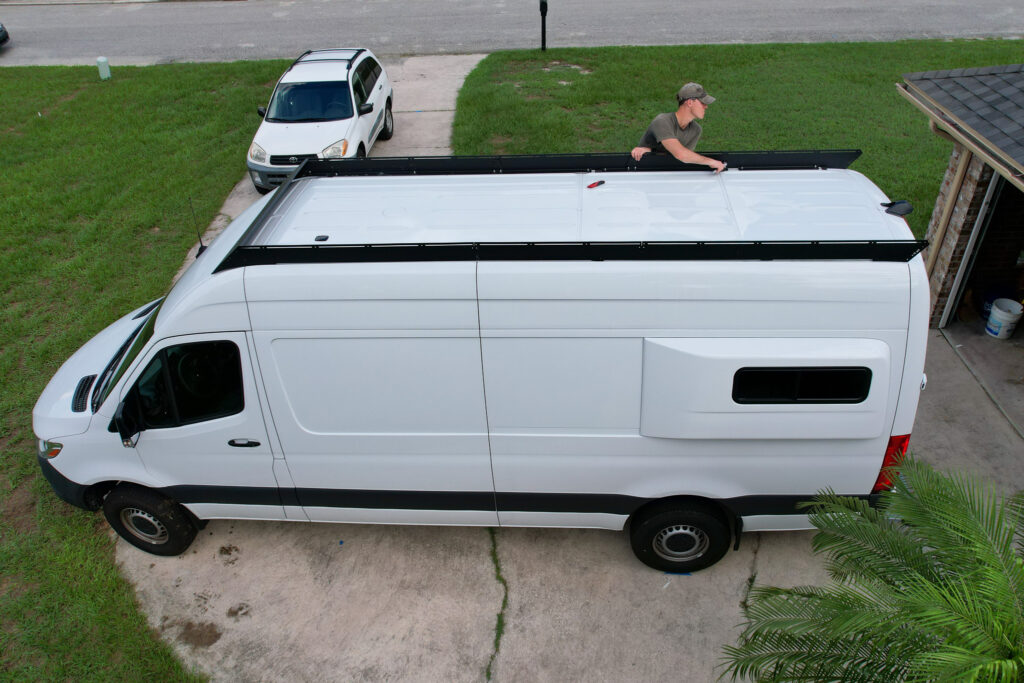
column 275, row 601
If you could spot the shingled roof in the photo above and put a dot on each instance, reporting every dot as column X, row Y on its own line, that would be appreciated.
column 986, row 104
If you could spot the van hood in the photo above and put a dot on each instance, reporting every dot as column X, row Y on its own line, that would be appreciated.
column 302, row 138
column 52, row 416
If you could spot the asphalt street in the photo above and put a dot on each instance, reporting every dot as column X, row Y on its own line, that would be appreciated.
column 78, row 31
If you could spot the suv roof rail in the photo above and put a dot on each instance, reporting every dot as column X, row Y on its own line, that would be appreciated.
column 356, row 51
column 353, row 59
column 297, row 59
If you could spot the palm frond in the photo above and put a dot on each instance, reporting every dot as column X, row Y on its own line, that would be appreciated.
column 928, row 586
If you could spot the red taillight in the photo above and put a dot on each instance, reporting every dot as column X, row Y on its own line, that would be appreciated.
column 894, row 453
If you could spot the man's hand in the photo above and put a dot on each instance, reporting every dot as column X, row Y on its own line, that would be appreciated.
column 639, row 152
column 716, row 165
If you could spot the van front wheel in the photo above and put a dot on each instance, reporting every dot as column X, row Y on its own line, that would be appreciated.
column 680, row 538
column 149, row 520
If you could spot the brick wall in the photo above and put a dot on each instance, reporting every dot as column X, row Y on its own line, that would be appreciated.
column 961, row 223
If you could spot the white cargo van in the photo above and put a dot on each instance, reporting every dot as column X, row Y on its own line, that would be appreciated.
column 563, row 341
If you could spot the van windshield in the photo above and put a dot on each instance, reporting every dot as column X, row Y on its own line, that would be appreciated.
column 123, row 358
column 308, row 102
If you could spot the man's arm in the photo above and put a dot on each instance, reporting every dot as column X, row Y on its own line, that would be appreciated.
column 639, row 152
column 688, row 156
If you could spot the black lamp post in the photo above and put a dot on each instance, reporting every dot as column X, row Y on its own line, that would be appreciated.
column 543, row 24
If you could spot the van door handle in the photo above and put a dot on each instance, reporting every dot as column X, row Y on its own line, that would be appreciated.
column 243, row 443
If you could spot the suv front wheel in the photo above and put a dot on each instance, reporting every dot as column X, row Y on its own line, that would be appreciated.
column 389, row 123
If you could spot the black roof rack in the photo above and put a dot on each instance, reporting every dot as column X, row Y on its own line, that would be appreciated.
column 352, row 60
column 355, row 53
column 248, row 253
column 817, row 250
column 570, row 163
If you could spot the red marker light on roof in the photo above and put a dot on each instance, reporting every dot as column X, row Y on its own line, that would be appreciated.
column 598, row 183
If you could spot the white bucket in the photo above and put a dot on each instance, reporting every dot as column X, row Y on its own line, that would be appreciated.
column 1002, row 320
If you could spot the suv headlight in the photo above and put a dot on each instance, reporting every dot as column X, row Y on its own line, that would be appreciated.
column 335, row 150
column 257, row 154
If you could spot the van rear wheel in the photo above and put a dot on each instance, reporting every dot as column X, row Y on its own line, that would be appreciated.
column 149, row 520
column 680, row 537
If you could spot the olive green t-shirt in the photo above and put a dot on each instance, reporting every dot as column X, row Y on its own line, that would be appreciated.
column 666, row 126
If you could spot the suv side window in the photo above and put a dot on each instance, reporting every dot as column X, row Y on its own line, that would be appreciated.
column 188, row 383
column 359, row 89
column 370, row 71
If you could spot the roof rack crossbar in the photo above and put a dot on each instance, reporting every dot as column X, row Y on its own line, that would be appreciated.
column 814, row 250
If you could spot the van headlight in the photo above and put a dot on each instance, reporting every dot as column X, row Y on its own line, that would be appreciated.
column 335, row 150
column 257, row 154
column 49, row 449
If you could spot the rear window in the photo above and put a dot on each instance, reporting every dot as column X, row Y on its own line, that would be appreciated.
column 305, row 102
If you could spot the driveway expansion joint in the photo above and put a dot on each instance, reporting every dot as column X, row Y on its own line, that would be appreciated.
column 499, row 624
column 752, row 577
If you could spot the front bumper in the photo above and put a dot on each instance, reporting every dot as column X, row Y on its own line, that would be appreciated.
column 66, row 490
column 266, row 176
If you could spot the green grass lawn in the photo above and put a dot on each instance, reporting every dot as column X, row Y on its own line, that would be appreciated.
column 95, row 183
column 770, row 97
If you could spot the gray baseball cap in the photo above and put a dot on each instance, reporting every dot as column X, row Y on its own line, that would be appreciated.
column 694, row 91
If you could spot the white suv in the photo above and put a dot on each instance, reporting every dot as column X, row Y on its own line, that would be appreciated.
column 329, row 104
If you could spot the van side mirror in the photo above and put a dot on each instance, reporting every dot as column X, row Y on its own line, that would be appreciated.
column 365, row 108
column 262, row 111
column 900, row 207
column 127, row 426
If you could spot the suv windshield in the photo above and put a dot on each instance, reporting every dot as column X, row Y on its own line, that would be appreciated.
column 305, row 102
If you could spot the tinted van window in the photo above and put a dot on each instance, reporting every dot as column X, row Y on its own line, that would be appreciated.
column 189, row 383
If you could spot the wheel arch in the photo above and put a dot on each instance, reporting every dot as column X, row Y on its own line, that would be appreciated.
column 96, row 493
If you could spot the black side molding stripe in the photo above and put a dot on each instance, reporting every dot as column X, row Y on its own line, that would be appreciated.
column 607, row 503
column 603, row 503
column 225, row 495
column 397, row 500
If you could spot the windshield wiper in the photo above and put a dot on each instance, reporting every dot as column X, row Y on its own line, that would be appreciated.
column 108, row 372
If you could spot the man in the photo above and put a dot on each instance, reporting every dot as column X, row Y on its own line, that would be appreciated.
column 677, row 132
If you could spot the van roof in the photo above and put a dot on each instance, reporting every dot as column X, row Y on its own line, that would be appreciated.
column 735, row 205
column 332, row 208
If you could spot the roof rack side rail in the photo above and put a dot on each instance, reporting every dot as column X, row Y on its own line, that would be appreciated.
column 571, row 163
column 813, row 250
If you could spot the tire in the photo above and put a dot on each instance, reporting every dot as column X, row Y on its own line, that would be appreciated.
column 389, row 124
column 262, row 190
column 149, row 520
column 680, row 537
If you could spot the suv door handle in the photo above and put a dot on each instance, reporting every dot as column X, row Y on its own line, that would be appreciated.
column 243, row 443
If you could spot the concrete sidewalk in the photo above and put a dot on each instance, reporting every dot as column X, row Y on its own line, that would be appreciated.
column 274, row 601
